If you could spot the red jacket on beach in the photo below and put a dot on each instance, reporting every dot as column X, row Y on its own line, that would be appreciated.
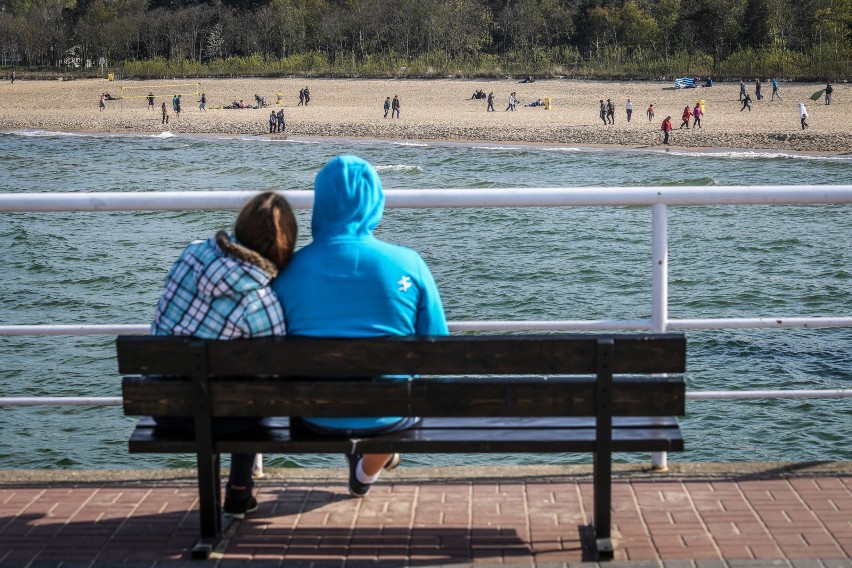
column 667, row 125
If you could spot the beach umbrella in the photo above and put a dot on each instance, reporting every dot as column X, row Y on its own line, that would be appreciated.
column 817, row 95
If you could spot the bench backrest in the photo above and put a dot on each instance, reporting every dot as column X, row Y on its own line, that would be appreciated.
column 507, row 375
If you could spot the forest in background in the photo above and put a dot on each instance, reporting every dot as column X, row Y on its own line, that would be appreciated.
column 642, row 39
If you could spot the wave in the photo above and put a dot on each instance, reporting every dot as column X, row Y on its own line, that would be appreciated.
column 402, row 168
column 163, row 135
column 755, row 155
column 414, row 144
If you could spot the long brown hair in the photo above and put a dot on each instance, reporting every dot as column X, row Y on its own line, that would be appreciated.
column 266, row 225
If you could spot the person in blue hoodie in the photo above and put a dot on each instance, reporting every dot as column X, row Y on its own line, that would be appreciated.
column 348, row 283
column 220, row 289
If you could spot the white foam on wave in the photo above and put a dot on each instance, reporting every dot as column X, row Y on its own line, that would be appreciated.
column 399, row 168
column 413, row 144
column 46, row 133
column 755, row 155
column 502, row 148
column 164, row 135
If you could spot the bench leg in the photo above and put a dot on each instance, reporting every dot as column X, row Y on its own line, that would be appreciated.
column 603, row 504
column 209, row 505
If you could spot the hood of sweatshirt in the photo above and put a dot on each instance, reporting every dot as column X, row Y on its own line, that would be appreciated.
column 219, row 275
column 348, row 199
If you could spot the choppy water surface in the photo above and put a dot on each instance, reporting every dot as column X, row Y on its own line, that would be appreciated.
column 512, row 264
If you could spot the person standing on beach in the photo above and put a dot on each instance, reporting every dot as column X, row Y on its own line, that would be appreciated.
column 395, row 106
column 629, row 108
column 307, row 96
column 803, row 115
column 610, row 111
column 828, row 90
column 696, row 115
column 687, row 114
column 202, row 103
column 177, row 107
column 150, row 100
column 13, row 77
column 348, row 283
column 651, row 112
column 174, row 103
column 511, row 101
column 742, row 90
column 280, row 119
column 602, row 111
column 301, row 97
column 387, row 106
column 775, row 92
column 490, row 102
column 746, row 103
column 757, row 89
column 273, row 120
column 165, row 114
column 666, row 128
column 101, row 103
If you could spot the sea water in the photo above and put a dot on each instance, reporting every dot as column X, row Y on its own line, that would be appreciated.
column 490, row 264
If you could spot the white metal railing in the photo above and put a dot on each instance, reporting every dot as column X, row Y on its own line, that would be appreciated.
column 658, row 198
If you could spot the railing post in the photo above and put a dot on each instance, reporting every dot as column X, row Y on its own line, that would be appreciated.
column 660, row 291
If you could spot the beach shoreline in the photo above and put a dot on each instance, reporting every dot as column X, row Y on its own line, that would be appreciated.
column 441, row 110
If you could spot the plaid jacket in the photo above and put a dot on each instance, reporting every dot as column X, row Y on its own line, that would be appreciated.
column 213, row 296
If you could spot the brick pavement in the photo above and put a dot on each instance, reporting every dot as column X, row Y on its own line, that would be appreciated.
column 671, row 520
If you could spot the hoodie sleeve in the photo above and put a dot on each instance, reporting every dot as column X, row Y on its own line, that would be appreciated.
column 430, row 310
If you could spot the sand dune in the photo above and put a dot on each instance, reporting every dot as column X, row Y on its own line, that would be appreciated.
column 443, row 110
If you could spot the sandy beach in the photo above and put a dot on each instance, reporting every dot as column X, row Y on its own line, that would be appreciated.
column 443, row 110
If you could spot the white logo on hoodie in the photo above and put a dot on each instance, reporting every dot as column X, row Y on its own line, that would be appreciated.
column 404, row 284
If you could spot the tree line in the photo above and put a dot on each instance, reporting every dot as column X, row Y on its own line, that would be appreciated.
column 793, row 39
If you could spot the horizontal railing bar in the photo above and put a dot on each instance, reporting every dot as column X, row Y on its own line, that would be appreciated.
column 431, row 198
column 544, row 325
column 692, row 395
column 767, row 394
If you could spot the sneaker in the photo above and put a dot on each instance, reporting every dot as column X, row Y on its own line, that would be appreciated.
column 393, row 462
column 238, row 502
column 356, row 488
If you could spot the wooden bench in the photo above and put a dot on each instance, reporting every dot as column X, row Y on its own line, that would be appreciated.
column 476, row 394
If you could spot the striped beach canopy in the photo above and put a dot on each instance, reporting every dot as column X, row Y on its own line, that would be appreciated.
column 684, row 83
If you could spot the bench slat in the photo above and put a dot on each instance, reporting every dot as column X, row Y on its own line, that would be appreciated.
column 313, row 357
column 429, row 438
column 434, row 396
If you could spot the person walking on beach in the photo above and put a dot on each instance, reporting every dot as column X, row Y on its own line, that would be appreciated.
column 348, row 283
column 150, row 100
column 490, row 102
column 177, row 107
column 742, row 90
column 696, row 116
column 220, row 288
column 395, row 106
column 757, row 89
column 629, row 108
column 610, row 111
column 651, row 112
column 202, row 102
column 165, row 114
column 775, row 92
column 666, row 128
column 828, row 90
column 301, row 97
column 746, row 103
column 512, row 101
column 602, row 111
column 803, row 115
column 273, row 120
column 101, row 103
column 307, row 96
column 174, row 103
column 387, row 106
column 687, row 114
column 281, row 126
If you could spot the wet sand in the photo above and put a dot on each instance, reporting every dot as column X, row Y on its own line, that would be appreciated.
column 443, row 110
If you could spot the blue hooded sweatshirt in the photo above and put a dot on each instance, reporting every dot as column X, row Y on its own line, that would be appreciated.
column 348, row 283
